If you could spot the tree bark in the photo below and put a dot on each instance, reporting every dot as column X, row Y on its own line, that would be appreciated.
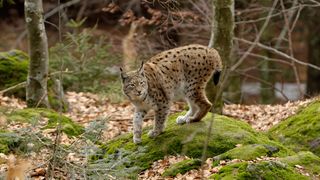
column 36, row 89
column 221, row 40
column 313, row 75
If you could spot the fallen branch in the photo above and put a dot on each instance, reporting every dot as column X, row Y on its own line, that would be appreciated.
column 20, row 85
column 24, row 83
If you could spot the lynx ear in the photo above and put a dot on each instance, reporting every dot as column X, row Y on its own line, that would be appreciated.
column 123, row 74
column 141, row 71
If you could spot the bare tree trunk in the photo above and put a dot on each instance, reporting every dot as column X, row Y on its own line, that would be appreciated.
column 221, row 39
column 38, row 50
column 313, row 85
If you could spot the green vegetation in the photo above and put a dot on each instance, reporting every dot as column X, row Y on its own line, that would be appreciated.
column 7, row 141
column 261, row 170
column 307, row 159
column 85, row 58
column 27, row 139
column 182, row 167
column 248, row 152
column 34, row 116
column 281, row 169
column 13, row 70
column 300, row 132
column 124, row 156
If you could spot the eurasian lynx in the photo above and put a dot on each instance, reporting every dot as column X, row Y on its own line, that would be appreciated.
column 186, row 69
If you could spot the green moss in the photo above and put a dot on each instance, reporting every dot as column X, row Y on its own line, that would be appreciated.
column 13, row 70
column 182, row 167
column 307, row 159
column 300, row 132
column 34, row 115
column 248, row 152
column 261, row 170
column 187, row 139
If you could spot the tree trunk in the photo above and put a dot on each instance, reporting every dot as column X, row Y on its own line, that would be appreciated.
column 38, row 50
column 313, row 85
column 221, row 40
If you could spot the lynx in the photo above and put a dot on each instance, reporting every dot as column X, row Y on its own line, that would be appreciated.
column 185, row 69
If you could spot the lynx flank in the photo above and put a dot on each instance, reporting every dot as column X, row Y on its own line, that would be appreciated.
column 186, row 69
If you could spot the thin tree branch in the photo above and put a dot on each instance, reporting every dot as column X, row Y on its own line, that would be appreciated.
column 239, row 62
column 275, row 51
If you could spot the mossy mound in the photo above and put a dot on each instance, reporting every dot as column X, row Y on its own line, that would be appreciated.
column 13, row 69
column 280, row 169
column 309, row 161
column 35, row 115
column 182, row 167
column 300, row 132
column 248, row 152
column 261, row 170
column 123, row 155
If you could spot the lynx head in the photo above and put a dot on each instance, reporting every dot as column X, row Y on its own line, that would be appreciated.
column 134, row 84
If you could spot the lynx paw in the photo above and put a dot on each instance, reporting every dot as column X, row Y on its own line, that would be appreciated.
column 153, row 134
column 182, row 120
column 136, row 140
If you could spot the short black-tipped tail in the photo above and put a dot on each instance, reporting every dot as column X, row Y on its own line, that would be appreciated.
column 216, row 77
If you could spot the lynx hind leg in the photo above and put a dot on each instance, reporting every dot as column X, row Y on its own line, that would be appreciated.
column 186, row 118
column 203, row 105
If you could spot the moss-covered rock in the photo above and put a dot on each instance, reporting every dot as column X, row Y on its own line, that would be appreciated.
column 300, row 132
column 123, row 155
column 13, row 69
column 308, row 160
column 261, row 170
column 248, row 152
column 280, row 169
column 35, row 115
column 182, row 167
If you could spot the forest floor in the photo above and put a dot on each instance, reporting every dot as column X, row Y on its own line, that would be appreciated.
column 86, row 107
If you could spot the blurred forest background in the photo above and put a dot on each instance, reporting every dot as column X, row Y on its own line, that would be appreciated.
column 272, row 53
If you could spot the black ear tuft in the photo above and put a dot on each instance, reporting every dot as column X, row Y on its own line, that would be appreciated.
column 141, row 66
column 123, row 74
column 216, row 77
column 141, row 71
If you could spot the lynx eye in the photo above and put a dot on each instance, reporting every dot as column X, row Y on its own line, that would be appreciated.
column 130, row 86
column 141, row 83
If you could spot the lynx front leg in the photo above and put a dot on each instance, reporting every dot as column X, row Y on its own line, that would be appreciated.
column 159, row 121
column 137, row 125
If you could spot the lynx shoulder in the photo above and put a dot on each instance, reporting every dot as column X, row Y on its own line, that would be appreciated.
column 186, row 69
